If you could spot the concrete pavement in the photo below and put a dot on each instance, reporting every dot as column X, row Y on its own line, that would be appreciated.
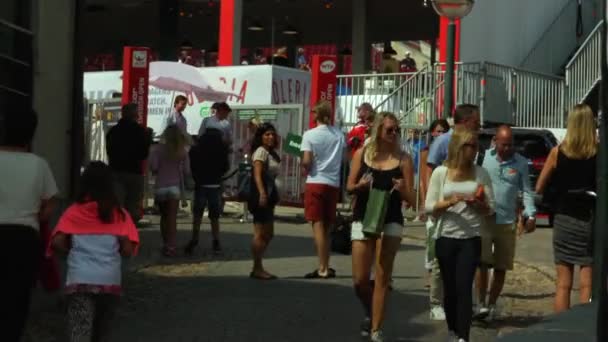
column 207, row 298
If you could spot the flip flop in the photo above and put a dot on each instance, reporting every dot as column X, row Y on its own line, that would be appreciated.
column 331, row 273
column 252, row 275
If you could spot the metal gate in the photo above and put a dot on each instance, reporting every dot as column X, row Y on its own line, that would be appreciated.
column 287, row 118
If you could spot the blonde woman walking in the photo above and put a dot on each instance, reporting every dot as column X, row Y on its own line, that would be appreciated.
column 571, row 167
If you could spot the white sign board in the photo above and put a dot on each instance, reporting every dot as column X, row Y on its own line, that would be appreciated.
column 248, row 85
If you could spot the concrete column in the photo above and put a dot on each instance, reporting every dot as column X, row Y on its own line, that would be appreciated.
column 360, row 40
column 168, row 22
column 54, row 23
column 231, row 26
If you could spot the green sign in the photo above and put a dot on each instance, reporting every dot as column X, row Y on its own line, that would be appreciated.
column 292, row 145
column 264, row 114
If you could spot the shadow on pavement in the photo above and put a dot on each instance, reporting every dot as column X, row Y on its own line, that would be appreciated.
column 200, row 308
column 236, row 247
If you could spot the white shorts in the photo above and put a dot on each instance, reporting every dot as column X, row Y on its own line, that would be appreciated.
column 391, row 229
column 167, row 193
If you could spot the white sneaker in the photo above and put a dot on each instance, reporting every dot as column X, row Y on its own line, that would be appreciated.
column 437, row 313
column 493, row 313
column 481, row 312
column 377, row 336
column 461, row 340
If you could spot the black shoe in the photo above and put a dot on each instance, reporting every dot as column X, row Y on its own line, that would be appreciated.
column 217, row 249
column 189, row 249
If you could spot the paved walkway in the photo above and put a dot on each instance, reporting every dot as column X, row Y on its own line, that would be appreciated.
column 206, row 298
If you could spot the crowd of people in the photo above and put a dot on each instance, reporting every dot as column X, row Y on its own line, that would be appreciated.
column 470, row 198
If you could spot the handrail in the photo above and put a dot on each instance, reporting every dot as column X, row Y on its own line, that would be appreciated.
column 378, row 74
column 584, row 45
column 518, row 69
column 401, row 86
column 15, row 27
column 549, row 28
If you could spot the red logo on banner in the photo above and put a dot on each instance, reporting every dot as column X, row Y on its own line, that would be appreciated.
column 135, row 69
column 323, row 83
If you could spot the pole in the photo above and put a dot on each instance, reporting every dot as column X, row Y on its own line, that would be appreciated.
column 600, row 295
column 272, row 41
column 449, row 71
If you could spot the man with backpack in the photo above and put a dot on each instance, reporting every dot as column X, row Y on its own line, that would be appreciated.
column 208, row 163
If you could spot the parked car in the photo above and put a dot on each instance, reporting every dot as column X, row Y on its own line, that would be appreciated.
column 534, row 144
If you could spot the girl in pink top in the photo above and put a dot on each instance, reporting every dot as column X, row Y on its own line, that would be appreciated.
column 95, row 233
column 169, row 162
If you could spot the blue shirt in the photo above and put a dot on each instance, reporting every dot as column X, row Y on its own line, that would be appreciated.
column 438, row 152
column 509, row 177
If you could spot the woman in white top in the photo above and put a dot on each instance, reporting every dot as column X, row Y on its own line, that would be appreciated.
column 27, row 188
column 264, row 195
column 459, row 197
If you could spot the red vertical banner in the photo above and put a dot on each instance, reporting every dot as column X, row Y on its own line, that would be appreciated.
column 323, row 83
column 227, row 27
column 135, row 69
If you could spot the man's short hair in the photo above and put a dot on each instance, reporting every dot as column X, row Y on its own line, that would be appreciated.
column 464, row 112
column 128, row 111
column 180, row 98
column 19, row 128
column 366, row 105
column 323, row 111
column 222, row 106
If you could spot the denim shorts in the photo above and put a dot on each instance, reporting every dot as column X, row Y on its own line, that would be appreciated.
column 167, row 193
column 210, row 198
column 390, row 229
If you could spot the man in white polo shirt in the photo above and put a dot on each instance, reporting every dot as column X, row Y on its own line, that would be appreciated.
column 324, row 148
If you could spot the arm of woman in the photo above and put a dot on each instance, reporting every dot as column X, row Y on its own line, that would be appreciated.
column 126, row 246
column 258, row 171
column 153, row 160
column 433, row 203
column 61, row 243
column 545, row 174
column 407, row 190
column 47, row 207
column 352, row 183
column 425, row 175
column 487, row 207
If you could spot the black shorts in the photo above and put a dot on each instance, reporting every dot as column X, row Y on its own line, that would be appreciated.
column 210, row 198
column 263, row 215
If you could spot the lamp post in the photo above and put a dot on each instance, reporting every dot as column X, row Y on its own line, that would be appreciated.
column 452, row 10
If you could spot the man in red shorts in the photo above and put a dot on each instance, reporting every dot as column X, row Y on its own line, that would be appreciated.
column 323, row 150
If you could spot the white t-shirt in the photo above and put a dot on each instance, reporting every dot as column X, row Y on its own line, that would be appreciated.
column 460, row 221
column 222, row 125
column 327, row 145
column 26, row 181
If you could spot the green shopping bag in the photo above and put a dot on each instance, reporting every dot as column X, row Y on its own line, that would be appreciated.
column 375, row 212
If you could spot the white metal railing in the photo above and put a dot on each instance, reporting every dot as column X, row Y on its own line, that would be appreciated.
column 584, row 70
column 372, row 88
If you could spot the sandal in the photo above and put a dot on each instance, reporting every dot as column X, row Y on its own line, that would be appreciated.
column 252, row 275
column 169, row 252
column 331, row 273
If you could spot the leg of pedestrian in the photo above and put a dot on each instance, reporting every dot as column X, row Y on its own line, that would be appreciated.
column 504, row 255
column 584, row 284
column 263, row 232
column 563, row 287
column 437, row 312
column 80, row 317
column 134, row 194
column 105, row 310
column 467, row 260
column 386, row 249
column 198, row 209
column 446, row 257
column 362, row 258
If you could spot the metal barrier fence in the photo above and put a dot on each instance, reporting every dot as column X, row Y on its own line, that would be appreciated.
column 583, row 73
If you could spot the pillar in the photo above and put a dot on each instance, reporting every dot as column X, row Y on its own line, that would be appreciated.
column 54, row 86
column 360, row 39
column 231, row 24
column 168, row 23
